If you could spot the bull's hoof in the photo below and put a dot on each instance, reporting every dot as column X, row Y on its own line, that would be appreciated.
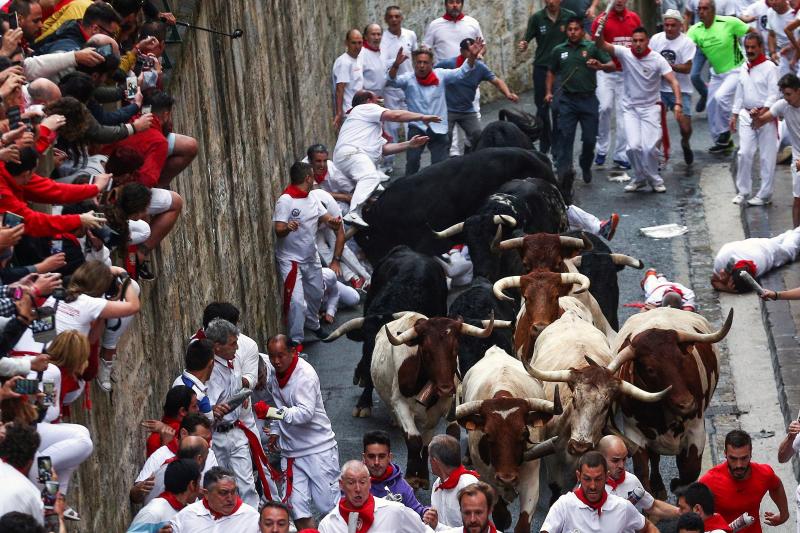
column 362, row 412
column 358, row 380
column 418, row 483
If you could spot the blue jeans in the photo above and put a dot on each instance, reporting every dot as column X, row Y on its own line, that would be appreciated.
column 439, row 146
column 698, row 63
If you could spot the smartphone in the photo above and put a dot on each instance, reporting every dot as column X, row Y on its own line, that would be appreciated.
column 14, row 115
column 146, row 109
column 45, row 468
column 44, row 312
column 56, row 246
column 131, row 86
column 100, row 215
column 13, row 21
column 26, row 386
column 49, row 389
column 11, row 220
column 105, row 50
column 49, row 494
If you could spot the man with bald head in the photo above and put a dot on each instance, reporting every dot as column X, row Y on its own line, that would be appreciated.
column 41, row 91
column 348, row 75
column 626, row 485
column 376, row 515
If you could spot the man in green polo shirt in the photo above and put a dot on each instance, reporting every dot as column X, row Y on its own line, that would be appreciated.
column 575, row 64
column 718, row 38
column 548, row 27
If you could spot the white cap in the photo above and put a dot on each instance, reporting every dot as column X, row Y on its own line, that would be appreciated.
column 673, row 14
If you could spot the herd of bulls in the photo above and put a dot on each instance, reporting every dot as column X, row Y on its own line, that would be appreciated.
column 541, row 311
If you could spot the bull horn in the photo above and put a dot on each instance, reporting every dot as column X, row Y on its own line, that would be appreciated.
column 577, row 260
column 554, row 376
column 570, row 278
column 505, row 220
column 350, row 325
column 542, row 449
column 572, row 242
column 468, row 408
column 642, row 395
column 455, row 229
column 401, row 314
column 539, row 405
column 626, row 260
column 407, row 336
column 624, row 355
column 498, row 236
column 510, row 244
column 687, row 336
column 482, row 333
column 510, row 282
column 350, row 233
column 591, row 361
column 497, row 323
column 558, row 409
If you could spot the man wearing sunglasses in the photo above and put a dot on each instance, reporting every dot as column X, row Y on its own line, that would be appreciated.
column 99, row 18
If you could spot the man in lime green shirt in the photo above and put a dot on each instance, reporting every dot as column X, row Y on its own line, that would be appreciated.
column 718, row 38
column 548, row 26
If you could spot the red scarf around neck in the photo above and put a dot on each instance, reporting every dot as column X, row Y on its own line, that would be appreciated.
column 460, row 60
column 447, row 16
column 490, row 528
column 746, row 264
column 172, row 500
column 283, row 377
column 598, row 506
column 370, row 47
column 455, row 475
column 389, row 471
column 430, row 79
column 642, row 55
column 757, row 61
column 320, row 179
column 217, row 515
column 613, row 483
column 366, row 513
column 295, row 192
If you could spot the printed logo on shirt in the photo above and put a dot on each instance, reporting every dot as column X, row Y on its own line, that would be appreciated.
column 543, row 29
column 670, row 56
column 584, row 53
column 564, row 55
column 295, row 212
column 763, row 22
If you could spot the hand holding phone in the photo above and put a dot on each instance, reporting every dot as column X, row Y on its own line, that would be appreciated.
column 45, row 468
column 27, row 386
column 11, row 220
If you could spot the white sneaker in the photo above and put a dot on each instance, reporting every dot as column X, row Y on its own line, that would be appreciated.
column 104, row 375
column 355, row 219
column 738, row 199
column 635, row 186
column 659, row 188
column 759, row 201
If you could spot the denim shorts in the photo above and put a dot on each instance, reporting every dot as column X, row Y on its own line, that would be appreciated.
column 686, row 100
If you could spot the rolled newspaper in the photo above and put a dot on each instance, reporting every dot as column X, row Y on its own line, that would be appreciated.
column 602, row 25
column 352, row 523
column 752, row 282
column 742, row 522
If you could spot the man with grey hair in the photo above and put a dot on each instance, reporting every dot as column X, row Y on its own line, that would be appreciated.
column 444, row 453
column 221, row 509
column 230, row 442
column 372, row 514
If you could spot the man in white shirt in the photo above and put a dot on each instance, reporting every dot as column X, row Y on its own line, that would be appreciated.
column 590, row 509
column 221, row 509
column 661, row 292
column 307, row 442
column 626, row 485
column 444, row 35
column 372, row 62
column 376, row 515
column 756, row 15
column 395, row 37
column 679, row 51
column 781, row 50
column 642, row 73
column 348, row 76
column 182, row 481
column 476, row 502
column 756, row 92
column 361, row 144
column 17, row 450
column 296, row 219
column 444, row 454
column 328, row 177
column 198, row 363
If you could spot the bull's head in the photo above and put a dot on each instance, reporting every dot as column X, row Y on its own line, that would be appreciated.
column 546, row 251
column 436, row 358
column 664, row 358
column 505, row 422
column 594, row 388
column 479, row 232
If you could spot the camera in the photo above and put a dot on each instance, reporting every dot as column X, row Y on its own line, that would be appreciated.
column 49, row 494
column 118, row 284
column 45, row 468
column 14, row 114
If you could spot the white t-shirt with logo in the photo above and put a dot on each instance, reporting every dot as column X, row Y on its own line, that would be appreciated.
column 299, row 245
column 570, row 514
column 79, row 314
column 362, row 129
column 642, row 77
column 777, row 23
column 349, row 70
column 677, row 51
column 791, row 117
column 759, row 10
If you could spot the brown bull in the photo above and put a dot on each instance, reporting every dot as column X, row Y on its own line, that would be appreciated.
column 546, row 251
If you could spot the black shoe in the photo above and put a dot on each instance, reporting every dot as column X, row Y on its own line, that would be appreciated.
column 144, row 271
column 724, row 138
column 721, row 148
column 701, row 104
column 322, row 332
column 688, row 154
column 587, row 175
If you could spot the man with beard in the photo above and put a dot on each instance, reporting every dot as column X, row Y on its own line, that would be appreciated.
column 590, row 509
column 476, row 502
column 739, row 484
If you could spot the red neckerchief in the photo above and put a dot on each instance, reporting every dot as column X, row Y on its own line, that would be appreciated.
column 172, row 500
column 430, row 79
column 491, row 529
column 370, row 47
column 295, row 192
column 455, row 475
column 716, row 521
column 201, row 334
column 613, row 483
column 642, row 55
column 757, row 61
column 217, row 515
column 170, row 460
column 447, row 16
column 747, row 265
column 283, row 377
column 366, row 513
column 598, row 506
column 320, row 179
column 460, row 60
column 384, row 477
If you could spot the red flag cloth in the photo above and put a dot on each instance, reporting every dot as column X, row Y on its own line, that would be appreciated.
column 664, row 131
column 366, row 513
column 288, row 289
column 455, row 475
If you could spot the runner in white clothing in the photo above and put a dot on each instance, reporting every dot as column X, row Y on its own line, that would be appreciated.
column 444, row 453
column 361, row 143
column 476, row 502
column 182, row 481
column 643, row 71
column 348, row 76
column 757, row 256
column 661, row 292
column 395, row 36
column 781, row 51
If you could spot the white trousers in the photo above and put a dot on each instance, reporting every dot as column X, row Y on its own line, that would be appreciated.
column 116, row 327
column 656, row 286
column 721, row 90
column 582, row 220
column 643, row 127
column 67, row 445
column 357, row 166
column 351, row 266
column 610, row 91
column 306, row 297
column 336, row 293
column 140, row 231
column 784, row 248
column 316, row 480
column 233, row 452
column 765, row 139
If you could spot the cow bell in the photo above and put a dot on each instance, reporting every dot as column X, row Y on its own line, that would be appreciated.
column 426, row 396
